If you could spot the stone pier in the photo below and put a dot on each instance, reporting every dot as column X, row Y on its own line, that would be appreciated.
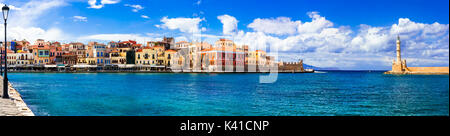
column 14, row 106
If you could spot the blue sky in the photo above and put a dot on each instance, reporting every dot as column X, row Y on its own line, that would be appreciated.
column 348, row 34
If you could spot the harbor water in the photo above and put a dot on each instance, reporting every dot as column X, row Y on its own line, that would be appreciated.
column 330, row 93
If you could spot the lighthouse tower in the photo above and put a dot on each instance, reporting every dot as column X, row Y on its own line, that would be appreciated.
column 399, row 55
column 398, row 65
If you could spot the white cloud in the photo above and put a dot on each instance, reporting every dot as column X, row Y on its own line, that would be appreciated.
column 317, row 24
column 144, row 16
column 229, row 24
column 185, row 25
column 33, row 33
column 79, row 19
column 279, row 26
column 115, row 37
column 32, row 10
column 27, row 16
column 93, row 3
column 136, row 8
column 198, row 2
column 322, row 44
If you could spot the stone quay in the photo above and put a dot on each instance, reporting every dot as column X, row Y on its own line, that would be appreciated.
column 14, row 105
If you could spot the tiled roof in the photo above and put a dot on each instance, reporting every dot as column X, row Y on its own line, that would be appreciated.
column 171, row 51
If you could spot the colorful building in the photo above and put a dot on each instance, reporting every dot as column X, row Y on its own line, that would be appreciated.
column 41, row 54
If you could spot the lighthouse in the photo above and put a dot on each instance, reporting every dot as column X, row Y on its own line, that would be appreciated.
column 398, row 65
column 399, row 55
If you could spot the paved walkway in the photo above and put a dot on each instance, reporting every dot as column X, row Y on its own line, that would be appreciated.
column 14, row 106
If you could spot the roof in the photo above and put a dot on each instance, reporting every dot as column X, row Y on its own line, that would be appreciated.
column 181, row 42
column 171, row 51
column 260, row 51
column 41, row 47
column 221, row 49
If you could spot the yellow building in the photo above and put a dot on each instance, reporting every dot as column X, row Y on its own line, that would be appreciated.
column 182, row 44
column 41, row 54
column 160, row 57
column 260, row 57
column 169, row 58
column 118, row 56
column 146, row 56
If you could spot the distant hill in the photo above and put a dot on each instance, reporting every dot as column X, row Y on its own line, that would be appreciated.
column 306, row 66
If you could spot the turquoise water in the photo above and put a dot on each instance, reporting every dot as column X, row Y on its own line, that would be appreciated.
column 313, row 94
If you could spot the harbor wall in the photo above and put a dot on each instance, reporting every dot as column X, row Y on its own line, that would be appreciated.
column 428, row 69
column 14, row 106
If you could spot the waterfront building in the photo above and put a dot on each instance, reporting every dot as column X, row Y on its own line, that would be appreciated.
column 118, row 56
column 52, row 55
column 112, row 44
column 107, row 55
column 225, row 56
column 182, row 44
column 146, row 56
column 69, row 59
column 261, row 61
column 24, row 58
column 20, row 45
column 245, row 48
column 41, row 42
column 90, row 57
column 169, row 58
column 99, row 53
column 195, row 62
column 181, row 60
column 126, row 44
column 168, row 42
column 251, row 61
column 135, row 47
column 59, row 53
column 41, row 53
column 160, row 56
column 81, row 56
column 12, row 58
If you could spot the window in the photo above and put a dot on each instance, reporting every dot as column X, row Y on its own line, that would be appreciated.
column 46, row 52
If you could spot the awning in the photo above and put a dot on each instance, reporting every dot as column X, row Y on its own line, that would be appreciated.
column 85, row 66
column 50, row 66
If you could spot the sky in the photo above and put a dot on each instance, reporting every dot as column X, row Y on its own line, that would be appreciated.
column 345, row 34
